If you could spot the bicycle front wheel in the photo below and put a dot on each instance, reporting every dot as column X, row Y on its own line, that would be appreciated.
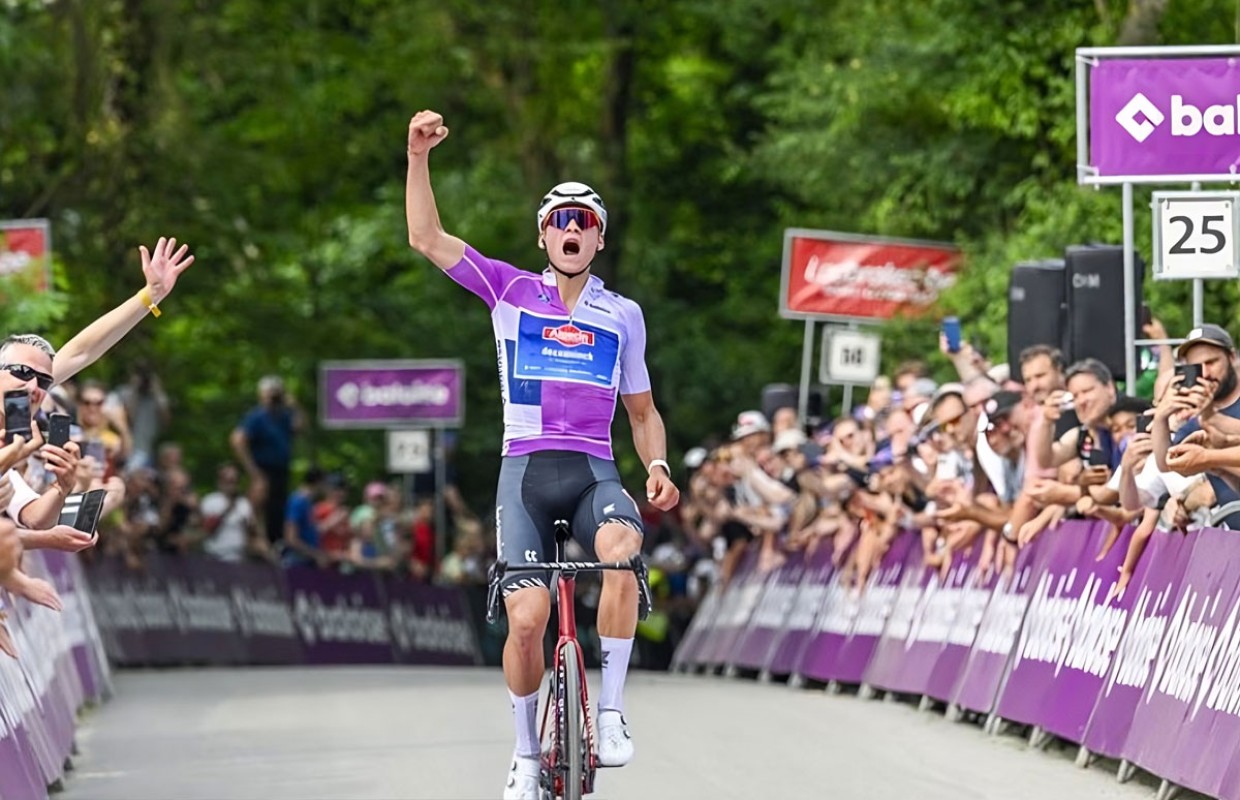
column 572, row 724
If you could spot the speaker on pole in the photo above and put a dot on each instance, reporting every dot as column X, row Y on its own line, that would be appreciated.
column 1094, row 284
column 1035, row 307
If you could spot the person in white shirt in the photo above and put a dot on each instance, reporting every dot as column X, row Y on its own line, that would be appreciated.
column 229, row 519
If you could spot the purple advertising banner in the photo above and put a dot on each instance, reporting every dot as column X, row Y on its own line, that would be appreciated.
column 1164, row 117
column 342, row 618
column 975, row 596
column 922, row 620
column 1195, row 685
column 1067, row 630
column 753, row 650
column 688, row 654
column 1148, row 600
column 982, row 677
column 854, row 618
column 736, row 604
column 806, row 606
column 381, row 394
column 264, row 618
column 430, row 624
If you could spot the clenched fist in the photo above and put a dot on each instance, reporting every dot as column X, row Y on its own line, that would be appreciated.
column 426, row 130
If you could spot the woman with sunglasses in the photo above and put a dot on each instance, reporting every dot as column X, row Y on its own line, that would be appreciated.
column 567, row 347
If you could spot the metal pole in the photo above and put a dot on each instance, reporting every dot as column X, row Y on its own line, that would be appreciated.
column 1199, row 299
column 1130, row 321
column 847, row 409
column 807, row 357
column 441, row 517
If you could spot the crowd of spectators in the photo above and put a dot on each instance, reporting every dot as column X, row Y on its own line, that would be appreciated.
column 983, row 464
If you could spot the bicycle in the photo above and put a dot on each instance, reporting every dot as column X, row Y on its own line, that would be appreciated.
column 569, row 760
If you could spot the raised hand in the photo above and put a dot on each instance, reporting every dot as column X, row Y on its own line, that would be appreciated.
column 162, row 266
column 426, row 130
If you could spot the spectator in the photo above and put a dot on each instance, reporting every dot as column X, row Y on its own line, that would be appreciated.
column 146, row 408
column 232, row 530
column 422, row 551
column 103, row 427
column 465, row 565
column 331, row 517
column 263, row 443
column 301, row 533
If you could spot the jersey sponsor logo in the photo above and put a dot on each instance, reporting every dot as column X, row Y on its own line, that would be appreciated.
column 531, row 556
column 569, row 335
column 557, row 349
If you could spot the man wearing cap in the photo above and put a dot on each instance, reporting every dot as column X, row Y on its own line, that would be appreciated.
column 1216, row 391
column 568, row 349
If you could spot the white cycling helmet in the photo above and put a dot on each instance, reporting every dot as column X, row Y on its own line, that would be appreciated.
column 572, row 193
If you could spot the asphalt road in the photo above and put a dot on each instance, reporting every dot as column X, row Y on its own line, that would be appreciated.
column 379, row 733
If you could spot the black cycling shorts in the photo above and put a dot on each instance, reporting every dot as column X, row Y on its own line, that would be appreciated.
column 537, row 489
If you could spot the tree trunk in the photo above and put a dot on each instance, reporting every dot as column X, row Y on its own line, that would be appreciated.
column 1141, row 22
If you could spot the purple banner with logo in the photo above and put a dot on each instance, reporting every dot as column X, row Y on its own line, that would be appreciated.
column 430, row 624
column 342, row 618
column 381, row 394
column 1186, row 728
column 689, row 654
column 264, row 618
column 1148, row 601
column 1064, row 624
column 807, row 604
column 736, row 603
column 974, row 596
column 753, row 650
column 982, row 677
column 854, row 618
column 1164, row 117
column 922, row 619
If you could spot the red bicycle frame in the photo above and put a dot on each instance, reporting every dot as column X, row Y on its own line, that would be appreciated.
column 566, row 588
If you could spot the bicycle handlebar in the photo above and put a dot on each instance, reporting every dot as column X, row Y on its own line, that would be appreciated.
column 495, row 576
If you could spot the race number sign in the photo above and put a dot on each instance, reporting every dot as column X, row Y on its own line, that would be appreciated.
column 1195, row 235
column 849, row 356
column 409, row 451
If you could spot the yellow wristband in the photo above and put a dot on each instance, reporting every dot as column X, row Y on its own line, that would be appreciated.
column 145, row 297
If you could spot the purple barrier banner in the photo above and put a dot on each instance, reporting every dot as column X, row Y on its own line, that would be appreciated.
column 753, row 650
column 1148, row 600
column 736, row 605
column 974, row 592
column 922, row 618
column 341, row 618
column 688, row 654
column 1069, row 635
column 854, row 618
column 264, row 619
column 430, row 625
column 982, row 676
column 1186, row 728
column 807, row 603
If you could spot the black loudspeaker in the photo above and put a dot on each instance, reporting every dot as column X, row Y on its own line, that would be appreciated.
column 779, row 395
column 1094, row 285
column 1035, row 308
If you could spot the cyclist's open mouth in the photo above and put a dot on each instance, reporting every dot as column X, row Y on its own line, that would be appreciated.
column 572, row 248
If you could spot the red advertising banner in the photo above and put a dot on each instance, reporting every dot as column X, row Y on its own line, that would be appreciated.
column 830, row 275
column 26, row 249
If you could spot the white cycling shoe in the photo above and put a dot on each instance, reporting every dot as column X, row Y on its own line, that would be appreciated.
column 615, row 745
column 524, row 779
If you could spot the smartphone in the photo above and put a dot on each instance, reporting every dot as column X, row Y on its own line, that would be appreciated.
column 1191, row 373
column 58, row 429
column 95, row 449
column 82, row 510
column 951, row 330
column 16, row 415
column 1143, row 424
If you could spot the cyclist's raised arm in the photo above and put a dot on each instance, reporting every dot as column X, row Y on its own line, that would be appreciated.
column 426, row 234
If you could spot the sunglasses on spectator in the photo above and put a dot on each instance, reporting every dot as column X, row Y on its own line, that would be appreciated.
column 24, row 373
column 560, row 218
column 92, row 402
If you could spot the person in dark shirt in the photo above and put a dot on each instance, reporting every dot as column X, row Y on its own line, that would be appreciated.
column 263, row 443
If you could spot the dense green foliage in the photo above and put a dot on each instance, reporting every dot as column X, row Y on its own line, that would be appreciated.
column 269, row 134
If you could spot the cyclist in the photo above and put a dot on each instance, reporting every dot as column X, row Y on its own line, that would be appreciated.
column 566, row 346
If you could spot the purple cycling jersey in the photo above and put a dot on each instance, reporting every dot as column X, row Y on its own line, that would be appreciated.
column 559, row 371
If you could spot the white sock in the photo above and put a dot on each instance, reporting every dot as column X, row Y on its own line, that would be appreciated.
column 525, row 715
column 615, row 667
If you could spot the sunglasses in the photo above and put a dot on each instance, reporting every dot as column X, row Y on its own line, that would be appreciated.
column 24, row 373
column 560, row 218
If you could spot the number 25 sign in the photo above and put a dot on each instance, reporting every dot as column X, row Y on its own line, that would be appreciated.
column 1195, row 235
